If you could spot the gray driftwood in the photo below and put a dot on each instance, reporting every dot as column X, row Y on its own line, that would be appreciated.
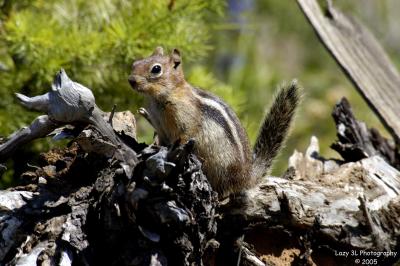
column 361, row 57
column 67, row 102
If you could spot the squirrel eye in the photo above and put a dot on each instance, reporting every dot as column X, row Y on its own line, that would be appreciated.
column 156, row 69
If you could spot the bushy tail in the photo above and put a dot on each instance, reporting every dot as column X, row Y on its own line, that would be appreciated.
column 275, row 128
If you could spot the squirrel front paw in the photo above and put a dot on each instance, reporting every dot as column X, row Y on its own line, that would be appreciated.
column 143, row 112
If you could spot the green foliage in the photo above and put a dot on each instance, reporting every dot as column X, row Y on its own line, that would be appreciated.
column 95, row 41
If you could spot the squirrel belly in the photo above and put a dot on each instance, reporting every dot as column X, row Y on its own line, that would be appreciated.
column 179, row 111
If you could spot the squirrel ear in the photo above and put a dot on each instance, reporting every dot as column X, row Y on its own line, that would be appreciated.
column 158, row 51
column 176, row 57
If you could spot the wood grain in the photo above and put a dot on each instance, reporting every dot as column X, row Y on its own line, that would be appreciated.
column 362, row 58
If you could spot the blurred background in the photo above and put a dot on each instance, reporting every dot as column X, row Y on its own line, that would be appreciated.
column 239, row 49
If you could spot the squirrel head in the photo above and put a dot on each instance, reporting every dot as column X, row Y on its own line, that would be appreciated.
column 158, row 74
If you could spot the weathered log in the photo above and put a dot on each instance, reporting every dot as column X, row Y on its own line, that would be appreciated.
column 90, row 212
column 362, row 59
column 353, row 206
column 82, row 207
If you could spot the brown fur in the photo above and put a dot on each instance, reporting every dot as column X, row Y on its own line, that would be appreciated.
column 275, row 128
column 178, row 111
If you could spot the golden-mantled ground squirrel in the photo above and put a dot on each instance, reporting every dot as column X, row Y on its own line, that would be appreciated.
column 179, row 112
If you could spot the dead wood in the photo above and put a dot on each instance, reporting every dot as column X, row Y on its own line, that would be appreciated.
column 356, row 141
column 362, row 59
column 82, row 207
column 68, row 102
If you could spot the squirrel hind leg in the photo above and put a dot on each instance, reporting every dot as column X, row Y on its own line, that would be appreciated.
column 275, row 128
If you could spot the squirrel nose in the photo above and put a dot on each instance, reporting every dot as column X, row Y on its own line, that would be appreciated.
column 132, row 81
